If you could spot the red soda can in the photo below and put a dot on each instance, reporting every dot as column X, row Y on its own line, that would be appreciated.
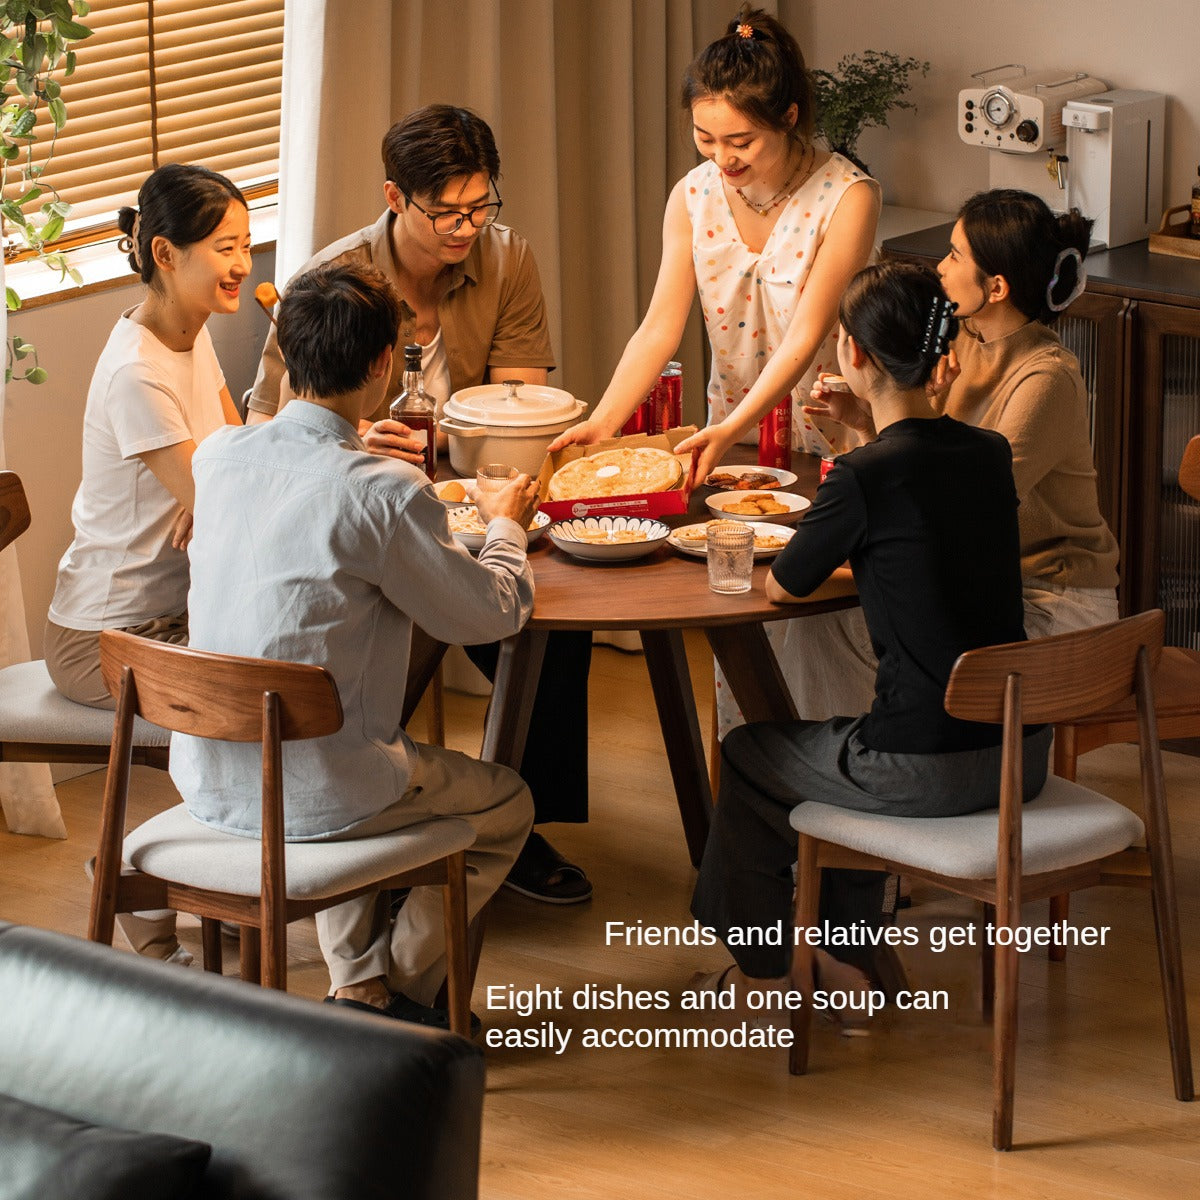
column 827, row 462
column 642, row 420
column 775, row 436
column 670, row 385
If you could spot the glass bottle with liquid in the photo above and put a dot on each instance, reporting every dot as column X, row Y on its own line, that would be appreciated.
column 414, row 408
column 1195, row 223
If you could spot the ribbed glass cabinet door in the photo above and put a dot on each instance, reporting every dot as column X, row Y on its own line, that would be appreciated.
column 1169, row 360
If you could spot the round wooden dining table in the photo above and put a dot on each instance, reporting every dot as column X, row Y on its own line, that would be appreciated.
column 659, row 596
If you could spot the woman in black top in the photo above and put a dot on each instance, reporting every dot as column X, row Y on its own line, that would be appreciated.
column 927, row 517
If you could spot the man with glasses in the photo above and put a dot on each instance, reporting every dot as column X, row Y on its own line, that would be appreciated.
column 471, row 297
column 469, row 288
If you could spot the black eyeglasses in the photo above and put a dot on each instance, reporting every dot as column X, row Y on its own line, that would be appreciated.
column 446, row 223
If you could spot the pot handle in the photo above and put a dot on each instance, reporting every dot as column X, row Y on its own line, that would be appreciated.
column 448, row 425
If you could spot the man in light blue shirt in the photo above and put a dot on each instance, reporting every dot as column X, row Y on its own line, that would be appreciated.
column 307, row 548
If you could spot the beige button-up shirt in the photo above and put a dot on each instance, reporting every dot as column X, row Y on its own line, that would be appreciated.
column 492, row 315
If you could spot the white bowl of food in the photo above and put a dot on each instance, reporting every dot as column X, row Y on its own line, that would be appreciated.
column 776, row 507
column 749, row 478
column 469, row 528
column 693, row 539
column 608, row 539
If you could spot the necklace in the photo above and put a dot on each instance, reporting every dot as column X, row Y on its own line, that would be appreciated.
column 785, row 191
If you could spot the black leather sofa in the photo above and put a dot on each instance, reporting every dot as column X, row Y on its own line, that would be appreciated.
column 299, row 1101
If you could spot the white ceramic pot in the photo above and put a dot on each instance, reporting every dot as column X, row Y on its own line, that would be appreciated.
column 508, row 422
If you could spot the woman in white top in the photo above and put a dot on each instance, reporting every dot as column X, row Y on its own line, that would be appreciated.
column 156, row 392
column 769, row 231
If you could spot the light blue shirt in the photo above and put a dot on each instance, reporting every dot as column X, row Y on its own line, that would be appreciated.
column 308, row 549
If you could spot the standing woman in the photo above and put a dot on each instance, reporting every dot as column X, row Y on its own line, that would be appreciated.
column 769, row 230
column 156, row 392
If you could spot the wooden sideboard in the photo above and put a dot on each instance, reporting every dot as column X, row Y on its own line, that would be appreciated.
column 1136, row 333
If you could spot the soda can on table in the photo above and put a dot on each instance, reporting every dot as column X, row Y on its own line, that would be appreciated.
column 669, row 398
column 775, row 436
column 827, row 461
column 643, row 419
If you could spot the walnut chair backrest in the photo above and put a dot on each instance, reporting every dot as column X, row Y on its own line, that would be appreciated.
column 14, row 508
column 1189, row 469
column 1061, row 678
column 219, row 695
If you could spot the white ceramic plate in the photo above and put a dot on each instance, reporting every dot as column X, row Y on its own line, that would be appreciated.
column 468, row 486
column 588, row 537
column 786, row 478
column 795, row 506
column 691, row 539
column 467, row 528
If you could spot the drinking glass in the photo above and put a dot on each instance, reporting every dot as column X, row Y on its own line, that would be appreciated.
column 491, row 477
column 730, row 556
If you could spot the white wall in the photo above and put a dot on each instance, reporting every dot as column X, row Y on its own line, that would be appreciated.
column 920, row 160
column 44, row 424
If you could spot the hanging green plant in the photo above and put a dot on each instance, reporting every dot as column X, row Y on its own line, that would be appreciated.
column 860, row 93
column 35, row 41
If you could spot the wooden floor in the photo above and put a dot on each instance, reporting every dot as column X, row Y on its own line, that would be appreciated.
column 902, row 1113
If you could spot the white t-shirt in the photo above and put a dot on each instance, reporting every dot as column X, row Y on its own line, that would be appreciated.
column 121, row 569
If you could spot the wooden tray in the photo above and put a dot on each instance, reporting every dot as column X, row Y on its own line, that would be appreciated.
column 1175, row 238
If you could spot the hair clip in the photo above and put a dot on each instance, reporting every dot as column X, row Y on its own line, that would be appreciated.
column 937, row 329
column 1080, row 279
column 745, row 30
column 134, row 233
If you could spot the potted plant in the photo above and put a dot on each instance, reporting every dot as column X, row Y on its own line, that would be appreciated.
column 35, row 41
column 860, row 93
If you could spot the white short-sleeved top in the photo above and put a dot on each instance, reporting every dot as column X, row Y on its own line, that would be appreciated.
column 748, row 299
column 121, row 569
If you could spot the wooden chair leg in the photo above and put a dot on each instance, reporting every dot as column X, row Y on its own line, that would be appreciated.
column 1004, row 1045
column 210, row 940
column 458, row 970
column 987, row 967
column 250, row 954
column 435, row 713
column 1060, row 911
column 1066, row 758
column 808, row 887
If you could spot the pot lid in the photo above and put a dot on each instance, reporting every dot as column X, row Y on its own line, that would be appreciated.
column 513, row 403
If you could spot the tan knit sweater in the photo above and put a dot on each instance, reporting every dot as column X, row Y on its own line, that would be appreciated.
column 1028, row 387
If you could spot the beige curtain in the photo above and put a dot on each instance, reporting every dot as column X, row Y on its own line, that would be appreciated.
column 26, row 792
column 583, row 98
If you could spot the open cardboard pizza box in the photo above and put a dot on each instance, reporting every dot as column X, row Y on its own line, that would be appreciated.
column 646, row 504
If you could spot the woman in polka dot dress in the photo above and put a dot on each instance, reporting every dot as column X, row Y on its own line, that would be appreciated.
column 769, row 230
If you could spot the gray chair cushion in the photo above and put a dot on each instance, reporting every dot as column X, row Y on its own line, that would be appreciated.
column 176, row 847
column 1063, row 826
column 32, row 709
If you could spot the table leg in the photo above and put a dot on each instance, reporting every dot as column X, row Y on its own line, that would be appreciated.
column 513, row 690
column 752, row 672
column 666, row 660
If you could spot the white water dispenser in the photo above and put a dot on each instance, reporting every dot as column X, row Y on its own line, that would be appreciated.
column 1114, row 167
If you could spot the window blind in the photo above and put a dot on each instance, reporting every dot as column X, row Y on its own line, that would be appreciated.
column 167, row 81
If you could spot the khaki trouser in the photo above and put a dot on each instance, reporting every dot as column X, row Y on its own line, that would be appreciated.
column 73, row 660
column 355, row 937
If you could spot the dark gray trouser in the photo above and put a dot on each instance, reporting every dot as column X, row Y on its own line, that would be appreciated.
column 767, row 769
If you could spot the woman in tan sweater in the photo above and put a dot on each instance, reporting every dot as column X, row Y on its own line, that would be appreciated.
column 1012, row 267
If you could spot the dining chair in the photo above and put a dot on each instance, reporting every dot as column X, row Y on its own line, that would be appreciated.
column 38, row 724
column 1176, row 701
column 1066, row 838
column 261, row 884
